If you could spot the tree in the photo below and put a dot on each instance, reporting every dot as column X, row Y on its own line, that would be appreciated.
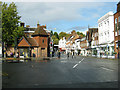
column 63, row 34
column 10, row 24
column 0, row 23
column 51, row 32
column 56, row 35
column 55, row 39
column 81, row 34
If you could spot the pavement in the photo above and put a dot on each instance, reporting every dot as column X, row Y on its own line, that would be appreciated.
column 78, row 72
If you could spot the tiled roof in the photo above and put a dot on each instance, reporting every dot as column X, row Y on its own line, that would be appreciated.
column 25, row 41
column 40, row 31
column 32, row 41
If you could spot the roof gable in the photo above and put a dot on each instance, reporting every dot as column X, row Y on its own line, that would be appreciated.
column 26, row 42
column 23, row 43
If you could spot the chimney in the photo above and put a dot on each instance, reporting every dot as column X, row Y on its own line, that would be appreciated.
column 45, row 26
column 118, row 7
column 22, row 24
column 38, row 24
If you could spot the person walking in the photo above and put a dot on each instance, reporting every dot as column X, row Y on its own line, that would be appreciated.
column 72, row 54
column 68, row 55
column 59, row 54
column 75, row 54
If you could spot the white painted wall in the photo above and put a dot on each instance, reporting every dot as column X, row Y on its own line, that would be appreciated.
column 106, row 28
column 62, row 43
column 77, row 45
column 106, row 31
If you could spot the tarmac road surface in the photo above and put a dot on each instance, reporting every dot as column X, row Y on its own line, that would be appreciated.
column 79, row 72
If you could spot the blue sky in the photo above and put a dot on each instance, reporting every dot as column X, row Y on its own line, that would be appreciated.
column 64, row 16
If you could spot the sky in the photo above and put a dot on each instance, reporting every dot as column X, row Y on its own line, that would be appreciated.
column 64, row 16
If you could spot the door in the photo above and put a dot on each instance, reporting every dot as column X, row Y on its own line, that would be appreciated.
column 43, row 52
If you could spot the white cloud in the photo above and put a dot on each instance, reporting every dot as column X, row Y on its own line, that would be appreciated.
column 49, row 12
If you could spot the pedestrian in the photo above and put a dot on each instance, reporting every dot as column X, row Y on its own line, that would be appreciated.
column 100, row 54
column 72, row 54
column 75, row 54
column 68, row 55
column 52, row 53
column 59, row 54
column 17, row 55
column 11, row 54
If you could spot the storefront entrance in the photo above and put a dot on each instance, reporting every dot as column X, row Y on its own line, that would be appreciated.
column 25, row 52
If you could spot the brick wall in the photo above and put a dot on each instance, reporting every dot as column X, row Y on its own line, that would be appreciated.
column 116, row 49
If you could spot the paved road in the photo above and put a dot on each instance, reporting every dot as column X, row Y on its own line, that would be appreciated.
column 79, row 72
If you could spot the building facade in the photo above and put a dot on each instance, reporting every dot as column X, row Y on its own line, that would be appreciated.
column 95, row 42
column 62, row 44
column 117, row 31
column 106, row 35
column 35, row 44
column 77, row 46
column 92, row 38
column 84, row 46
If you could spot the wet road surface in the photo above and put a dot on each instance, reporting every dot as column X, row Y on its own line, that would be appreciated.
column 79, row 72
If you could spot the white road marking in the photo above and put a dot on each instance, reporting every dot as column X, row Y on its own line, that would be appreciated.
column 107, row 69
column 81, row 60
column 75, row 65
column 78, row 63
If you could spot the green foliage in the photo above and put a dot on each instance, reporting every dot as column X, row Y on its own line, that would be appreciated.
column 51, row 33
column 56, row 35
column 0, row 22
column 10, row 23
column 114, row 52
column 63, row 34
column 81, row 34
column 55, row 39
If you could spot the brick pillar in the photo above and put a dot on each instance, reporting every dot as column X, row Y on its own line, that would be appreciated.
column 19, row 52
column 45, row 52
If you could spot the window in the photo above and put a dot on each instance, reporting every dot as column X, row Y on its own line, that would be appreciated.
column 119, row 25
column 119, row 19
column 43, row 41
column 99, row 25
column 108, row 22
column 105, row 22
column 116, row 27
column 119, row 32
column 105, row 33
